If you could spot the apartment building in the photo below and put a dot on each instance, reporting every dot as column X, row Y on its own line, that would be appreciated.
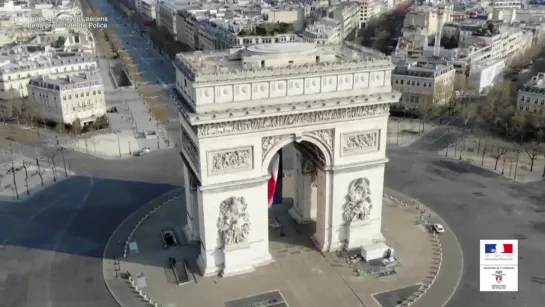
column 506, row 43
column 424, row 18
column 505, row 4
column 370, row 9
column 348, row 14
column 423, row 80
column 484, row 74
column 166, row 14
column 215, row 28
column 531, row 97
column 148, row 9
column 64, row 100
column 16, row 70
column 323, row 32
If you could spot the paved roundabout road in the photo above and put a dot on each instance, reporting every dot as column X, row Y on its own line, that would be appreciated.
column 477, row 204
column 52, row 244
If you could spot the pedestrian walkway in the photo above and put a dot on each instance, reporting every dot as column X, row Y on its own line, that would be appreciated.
column 451, row 269
column 22, row 177
column 499, row 157
column 306, row 278
column 132, row 127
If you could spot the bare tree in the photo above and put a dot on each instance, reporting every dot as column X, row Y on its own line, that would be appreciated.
column 25, row 164
column 533, row 150
column 498, row 152
column 483, row 154
column 39, row 171
column 467, row 112
column 15, row 180
column 426, row 108
column 51, row 158
column 497, row 110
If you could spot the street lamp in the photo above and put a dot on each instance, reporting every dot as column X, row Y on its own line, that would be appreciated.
column 118, row 143
column 61, row 150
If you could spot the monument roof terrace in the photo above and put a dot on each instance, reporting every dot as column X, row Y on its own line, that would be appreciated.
column 273, row 60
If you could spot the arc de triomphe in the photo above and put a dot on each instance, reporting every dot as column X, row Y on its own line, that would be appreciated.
column 242, row 107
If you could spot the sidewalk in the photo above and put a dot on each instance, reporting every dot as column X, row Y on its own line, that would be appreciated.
column 484, row 156
column 295, row 276
column 119, row 287
column 452, row 265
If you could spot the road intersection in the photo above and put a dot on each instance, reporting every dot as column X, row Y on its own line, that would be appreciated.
column 477, row 204
column 52, row 244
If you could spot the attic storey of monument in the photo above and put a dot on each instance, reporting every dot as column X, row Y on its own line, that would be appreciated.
column 243, row 106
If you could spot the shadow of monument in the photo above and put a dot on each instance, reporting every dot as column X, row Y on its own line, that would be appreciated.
column 291, row 237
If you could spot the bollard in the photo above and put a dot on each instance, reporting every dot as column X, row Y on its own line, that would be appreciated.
column 140, row 292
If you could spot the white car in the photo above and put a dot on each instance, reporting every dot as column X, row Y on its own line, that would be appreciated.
column 438, row 228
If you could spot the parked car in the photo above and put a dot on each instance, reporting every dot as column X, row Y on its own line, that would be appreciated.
column 144, row 151
column 438, row 228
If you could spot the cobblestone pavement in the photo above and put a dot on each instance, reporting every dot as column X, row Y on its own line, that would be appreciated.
column 304, row 276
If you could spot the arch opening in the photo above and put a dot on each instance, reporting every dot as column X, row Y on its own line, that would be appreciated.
column 296, row 195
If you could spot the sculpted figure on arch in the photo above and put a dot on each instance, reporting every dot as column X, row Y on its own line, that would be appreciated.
column 359, row 204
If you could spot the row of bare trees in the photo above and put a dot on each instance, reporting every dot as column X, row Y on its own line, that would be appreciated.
column 112, row 46
column 39, row 170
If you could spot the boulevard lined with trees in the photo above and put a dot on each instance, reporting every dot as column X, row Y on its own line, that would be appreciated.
column 112, row 48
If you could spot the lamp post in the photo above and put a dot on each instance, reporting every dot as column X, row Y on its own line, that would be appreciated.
column 62, row 149
column 118, row 143
column 397, row 134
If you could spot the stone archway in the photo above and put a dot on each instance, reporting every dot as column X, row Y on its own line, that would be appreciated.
column 303, row 194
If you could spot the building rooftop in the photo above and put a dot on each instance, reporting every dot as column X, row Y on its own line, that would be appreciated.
column 323, row 28
column 424, row 69
column 276, row 59
column 71, row 82
column 22, row 63
column 535, row 85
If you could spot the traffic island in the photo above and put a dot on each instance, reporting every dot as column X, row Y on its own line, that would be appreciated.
column 420, row 275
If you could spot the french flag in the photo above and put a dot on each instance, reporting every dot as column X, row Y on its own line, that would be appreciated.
column 275, row 167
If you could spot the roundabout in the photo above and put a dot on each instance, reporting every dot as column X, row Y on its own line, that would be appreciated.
column 423, row 277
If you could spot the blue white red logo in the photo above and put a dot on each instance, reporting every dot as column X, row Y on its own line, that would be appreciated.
column 506, row 248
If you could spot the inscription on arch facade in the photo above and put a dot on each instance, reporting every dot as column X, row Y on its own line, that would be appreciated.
column 291, row 120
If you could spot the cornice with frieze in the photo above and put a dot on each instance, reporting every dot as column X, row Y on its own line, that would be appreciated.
column 198, row 119
column 292, row 120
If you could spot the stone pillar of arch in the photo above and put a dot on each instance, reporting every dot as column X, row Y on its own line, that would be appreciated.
column 303, row 180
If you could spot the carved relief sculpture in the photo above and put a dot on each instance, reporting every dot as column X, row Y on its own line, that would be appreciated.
column 290, row 120
column 190, row 148
column 268, row 142
column 234, row 221
column 236, row 159
column 326, row 136
column 358, row 201
column 361, row 142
